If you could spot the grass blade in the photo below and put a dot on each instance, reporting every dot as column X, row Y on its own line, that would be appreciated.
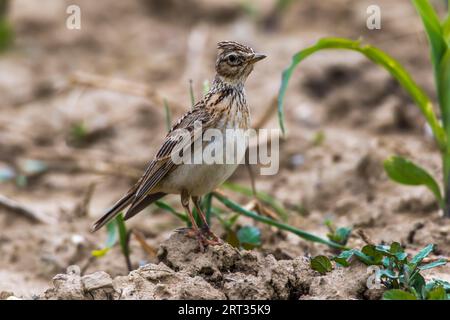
column 379, row 57
column 166, row 207
column 302, row 234
column 438, row 45
column 271, row 201
column 111, row 240
column 191, row 93
column 168, row 115
column 124, row 237
column 6, row 34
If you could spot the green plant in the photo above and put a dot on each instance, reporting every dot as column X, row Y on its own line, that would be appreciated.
column 78, row 133
column 399, row 169
column 6, row 31
column 338, row 235
column 397, row 273
column 262, row 196
column 282, row 226
column 116, row 231
column 249, row 237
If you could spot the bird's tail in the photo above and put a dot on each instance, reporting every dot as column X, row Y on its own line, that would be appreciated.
column 124, row 202
column 113, row 211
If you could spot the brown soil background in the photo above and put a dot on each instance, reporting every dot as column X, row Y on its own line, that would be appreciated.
column 364, row 115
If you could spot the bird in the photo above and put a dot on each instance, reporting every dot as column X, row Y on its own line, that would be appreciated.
column 223, row 107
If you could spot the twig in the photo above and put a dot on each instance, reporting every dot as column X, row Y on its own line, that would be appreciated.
column 18, row 208
column 82, row 209
column 434, row 259
column 97, row 167
column 267, row 114
column 365, row 237
column 140, row 238
column 127, row 87
column 97, row 81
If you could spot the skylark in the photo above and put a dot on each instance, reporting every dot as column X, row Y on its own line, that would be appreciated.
column 223, row 107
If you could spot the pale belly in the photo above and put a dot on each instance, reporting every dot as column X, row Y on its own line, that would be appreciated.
column 200, row 178
column 197, row 179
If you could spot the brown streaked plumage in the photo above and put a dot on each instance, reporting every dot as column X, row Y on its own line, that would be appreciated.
column 223, row 107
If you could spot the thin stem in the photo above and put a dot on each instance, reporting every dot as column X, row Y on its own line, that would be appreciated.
column 168, row 115
column 191, row 93
column 302, row 234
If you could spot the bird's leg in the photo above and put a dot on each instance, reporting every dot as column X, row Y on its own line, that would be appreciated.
column 197, row 233
column 215, row 239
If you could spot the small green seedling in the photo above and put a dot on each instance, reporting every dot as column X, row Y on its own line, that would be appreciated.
column 338, row 235
column 78, row 133
column 397, row 273
column 249, row 237
column 399, row 169
column 116, row 231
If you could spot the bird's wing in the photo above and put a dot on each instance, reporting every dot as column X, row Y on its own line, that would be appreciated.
column 162, row 164
column 137, row 195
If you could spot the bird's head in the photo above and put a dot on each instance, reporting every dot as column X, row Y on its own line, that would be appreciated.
column 235, row 61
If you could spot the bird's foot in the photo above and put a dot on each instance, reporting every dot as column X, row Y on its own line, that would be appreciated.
column 210, row 237
column 204, row 237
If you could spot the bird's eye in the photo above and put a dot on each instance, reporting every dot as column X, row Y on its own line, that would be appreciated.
column 232, row 58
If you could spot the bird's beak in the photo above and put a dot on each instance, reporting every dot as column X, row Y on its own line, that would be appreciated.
column 257, row 57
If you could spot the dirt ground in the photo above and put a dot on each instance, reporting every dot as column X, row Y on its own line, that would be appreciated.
column 363, row 115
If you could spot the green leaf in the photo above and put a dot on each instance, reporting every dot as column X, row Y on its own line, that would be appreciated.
column 406, row 172
column 111, row 240
column 397, row 294
column 374, row 255
column 207, row 207
column 417, row 259
column 443, row 84
column 166, row 207
column 366, row 258
column 123, row 235
column 417, row 282
column 341, row 235
column 437, row 293
column 398, row 252
column 433, row 29
column 396, row 248
column 444, row 284
column 321, row 264
column 249, row 237
column 436, row 34
column 377, row 56
column 446, row 29
column 388, row 274
column 344, row 258
column 386, row 250
column 433, row 264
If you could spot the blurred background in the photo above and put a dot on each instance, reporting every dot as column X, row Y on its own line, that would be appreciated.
column 82, row 112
